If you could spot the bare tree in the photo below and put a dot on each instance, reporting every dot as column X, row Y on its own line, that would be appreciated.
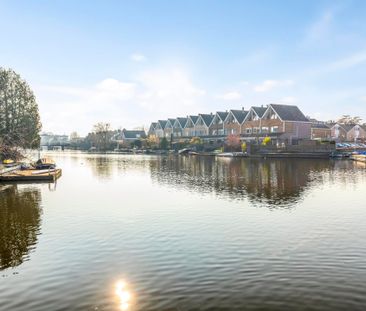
column 103, row 134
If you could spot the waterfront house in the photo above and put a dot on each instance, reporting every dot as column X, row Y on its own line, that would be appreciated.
column 152, row 128
column 348, row 132
column 189, row 128
column 168, row 129
column 285, row 123
column 126, row 137
column 234, row 121
column 253, row 121
column 217, row 124
column 159, row 129
column 202, row 124
column 356, row 133
column 178, row 126
column 320, row 130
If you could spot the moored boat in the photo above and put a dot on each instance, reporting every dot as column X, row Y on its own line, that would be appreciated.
column 45, row 163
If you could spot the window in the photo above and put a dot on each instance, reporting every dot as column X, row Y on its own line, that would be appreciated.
column 274, row 129
column 265, row 129
column 256, row 130
column 248, row 131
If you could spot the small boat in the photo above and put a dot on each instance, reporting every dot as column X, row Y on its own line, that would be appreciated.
column 45, row 163
column 184, row 151
column 9, row 163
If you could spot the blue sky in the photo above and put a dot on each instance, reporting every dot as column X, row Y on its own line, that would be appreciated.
column 132, row 62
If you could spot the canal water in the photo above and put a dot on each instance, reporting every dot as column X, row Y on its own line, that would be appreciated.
column 120, row 232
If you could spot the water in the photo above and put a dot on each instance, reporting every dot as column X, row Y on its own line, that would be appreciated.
column 186, row 233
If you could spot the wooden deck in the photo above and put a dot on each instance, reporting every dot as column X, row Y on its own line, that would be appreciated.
column 31, row 175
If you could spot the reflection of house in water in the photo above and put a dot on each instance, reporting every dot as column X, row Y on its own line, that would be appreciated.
column 277, row 182
column 20, row 220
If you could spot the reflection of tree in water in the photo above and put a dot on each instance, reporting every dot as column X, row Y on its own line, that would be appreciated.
column 274, row 182
column 20, row 219
column 101, row 166
column 104, row 166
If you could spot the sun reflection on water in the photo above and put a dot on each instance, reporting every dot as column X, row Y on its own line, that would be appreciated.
column 124, row 295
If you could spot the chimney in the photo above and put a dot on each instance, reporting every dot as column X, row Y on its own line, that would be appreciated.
column 242, row 108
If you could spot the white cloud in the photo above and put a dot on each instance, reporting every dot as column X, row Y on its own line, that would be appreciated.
column 348, row 62
column 268, row 85
column 155, row 94
column 234, row 95
column 138, row 57
column 321, row 27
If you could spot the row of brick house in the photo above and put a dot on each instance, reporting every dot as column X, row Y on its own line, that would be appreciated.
column 280, row 122
column 338, row 131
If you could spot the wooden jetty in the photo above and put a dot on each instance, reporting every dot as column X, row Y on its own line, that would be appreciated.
column 29, row 175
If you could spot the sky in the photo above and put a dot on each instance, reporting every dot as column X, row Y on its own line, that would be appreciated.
column 129, row 63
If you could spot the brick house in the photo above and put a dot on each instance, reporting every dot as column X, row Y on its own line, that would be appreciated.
column 234, row 121
column 189, row 128
column 159, row 128
column 348, row 132
column 178, row 126
column 285, row 122
column 217, row 124
column 320, row 131
column 253, row 121
column 152, row 128
column 202, row 124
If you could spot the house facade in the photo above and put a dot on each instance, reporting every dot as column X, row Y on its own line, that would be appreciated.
column 234, row 121
column 217, row 124
column 284, row 123
column 253, row 121
column 320, row 131
column 160, row 127
column 152, row 128
column 348, row 132
column 189, row 128
column 178, row 127
column 202, row 126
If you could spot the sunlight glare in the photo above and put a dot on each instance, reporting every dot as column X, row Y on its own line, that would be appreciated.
column 124, row 296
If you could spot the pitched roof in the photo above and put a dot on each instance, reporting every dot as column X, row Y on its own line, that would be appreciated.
column 239, row 115
column 153, row 125
column 259, row 111
column 289, row 113
column 207, row 118
column 194, row 119
column 182, row 121
column 162, row 123
column 222, row 115
column 134, row 134
column 172, row 121
column 346, row 127
column 317, row 125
